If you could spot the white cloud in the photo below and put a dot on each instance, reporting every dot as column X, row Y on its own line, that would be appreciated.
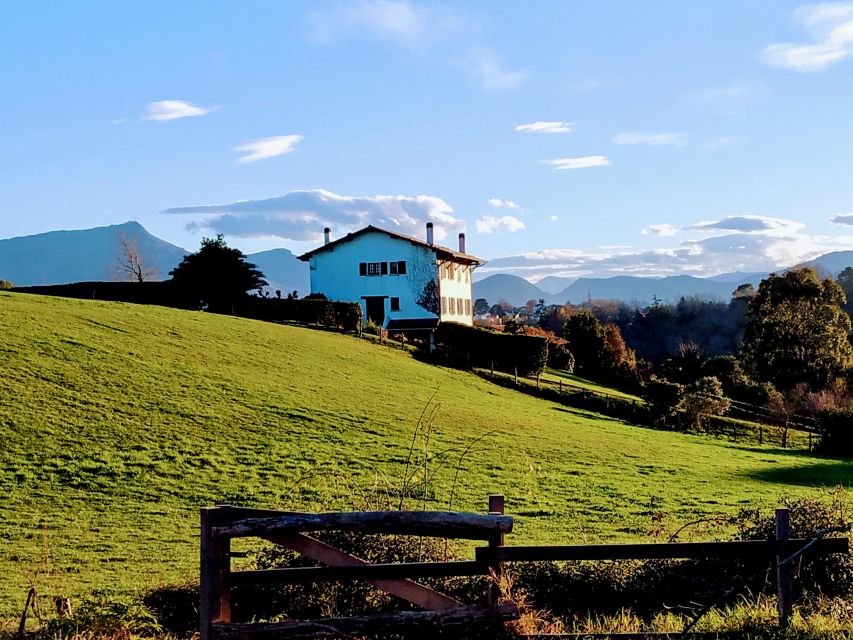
column 843, row 218
column 553, row 218
column 675, row 139
column 546, row 126
column 831, row 28
column 664, row 230
column 265, row 148
column 173, row 110
column 497, row 203
column 578, row 163
column 488, row 224
column 749, row 223
column 732, row 243
column 301, row 215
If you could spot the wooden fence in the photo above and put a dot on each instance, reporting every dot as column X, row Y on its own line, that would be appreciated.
column 219, row 525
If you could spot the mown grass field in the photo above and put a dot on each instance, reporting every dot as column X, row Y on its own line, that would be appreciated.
column 119, row 421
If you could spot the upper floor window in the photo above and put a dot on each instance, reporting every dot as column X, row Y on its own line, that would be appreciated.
column 395, row 302
column 395, row 268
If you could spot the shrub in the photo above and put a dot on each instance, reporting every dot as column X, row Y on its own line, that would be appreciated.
column 703, row 398
column 836, row 431
column 5, row 284
column 468, row 347
column 664, row 399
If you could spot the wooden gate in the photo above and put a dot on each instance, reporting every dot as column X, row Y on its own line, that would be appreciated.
column 220, row 524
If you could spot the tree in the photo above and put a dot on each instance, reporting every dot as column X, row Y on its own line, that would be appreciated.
column 5, row 284
column 845, row 281
column 585, row 336
column 481, row 305
column 130, row 263
column 796, row 332
column 704, row 398
column 664, row 399
column 216, row 276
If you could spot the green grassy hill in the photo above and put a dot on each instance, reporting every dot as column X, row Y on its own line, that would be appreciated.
column 118, row 422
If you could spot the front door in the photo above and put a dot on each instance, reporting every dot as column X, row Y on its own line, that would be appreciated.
column 375, row 309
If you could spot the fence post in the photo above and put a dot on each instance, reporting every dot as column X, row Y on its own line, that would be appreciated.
column 784, row 572
column 215, row 574
column 496, row 507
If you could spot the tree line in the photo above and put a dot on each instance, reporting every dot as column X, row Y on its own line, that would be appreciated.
column 782, row 352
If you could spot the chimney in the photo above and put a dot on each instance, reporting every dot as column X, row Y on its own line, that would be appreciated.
column 461, row 243
column 429, row 233
column 327, row 235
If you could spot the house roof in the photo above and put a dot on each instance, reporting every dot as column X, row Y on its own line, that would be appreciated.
column 441, row 252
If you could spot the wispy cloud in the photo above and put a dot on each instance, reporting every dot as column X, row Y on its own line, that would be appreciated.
column 436, row 33
column 578, row 163
column 719, row 143
column 173, row 110
column 395, row 21
column 301, row 215
column 660, row 230
column 830, row 26
column 675, row 139
column 487, row 67
column 729, row 100
column 546, row 126
column 488, row 224
column 497, row 203
column 265, row 148
column 748, row 223
column 843, row 218
column 553, row 218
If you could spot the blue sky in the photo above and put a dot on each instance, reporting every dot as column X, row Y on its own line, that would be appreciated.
column 564, row 137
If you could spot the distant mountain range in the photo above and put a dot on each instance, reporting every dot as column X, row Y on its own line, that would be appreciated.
column 517, row 291
column 59, row 257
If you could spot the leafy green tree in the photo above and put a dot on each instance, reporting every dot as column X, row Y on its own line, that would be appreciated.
column 216, row 276
column 796, row 332
column 664, row 398
column 600, row 351
column 585, row 336
column 704, row 398
column 845, row 281
column 481, row 305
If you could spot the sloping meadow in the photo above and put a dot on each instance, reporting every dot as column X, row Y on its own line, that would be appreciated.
column 119, row 421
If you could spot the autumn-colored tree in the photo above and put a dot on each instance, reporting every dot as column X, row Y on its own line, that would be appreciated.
column 796, row 332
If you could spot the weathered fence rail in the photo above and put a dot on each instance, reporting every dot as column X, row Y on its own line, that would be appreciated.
column 222, row 523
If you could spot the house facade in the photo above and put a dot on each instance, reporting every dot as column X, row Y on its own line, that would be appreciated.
column 402, row 283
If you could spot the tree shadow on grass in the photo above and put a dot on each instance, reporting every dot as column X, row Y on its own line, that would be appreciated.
column 824, row 474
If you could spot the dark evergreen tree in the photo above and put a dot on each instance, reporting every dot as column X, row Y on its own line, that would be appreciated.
column 216, row 276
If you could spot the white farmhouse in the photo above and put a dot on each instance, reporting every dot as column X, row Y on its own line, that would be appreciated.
column 403, row 283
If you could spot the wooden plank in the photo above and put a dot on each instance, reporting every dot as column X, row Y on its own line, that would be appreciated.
column 442, row 524
column 406, row 622
column 409, row 590
column 676, row 550
column 784, row 570
column 393, row 571
column 496, row 507
column 215, row 569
